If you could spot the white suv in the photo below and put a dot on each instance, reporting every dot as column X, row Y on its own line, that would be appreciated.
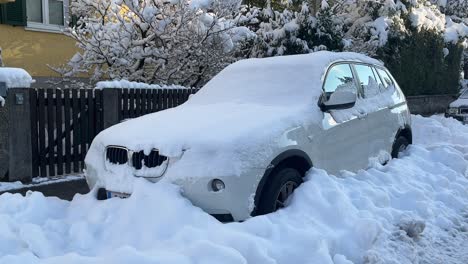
column 243, row 143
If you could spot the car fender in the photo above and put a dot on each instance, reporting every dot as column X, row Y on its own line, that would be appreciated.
column 289, row 153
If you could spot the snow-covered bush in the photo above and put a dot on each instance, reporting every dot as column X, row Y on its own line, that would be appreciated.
column 154, row 41
column 424, row 51
column 294, row 30
column 186, row 42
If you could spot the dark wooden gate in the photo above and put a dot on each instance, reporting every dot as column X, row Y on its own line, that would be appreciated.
column 65, row 122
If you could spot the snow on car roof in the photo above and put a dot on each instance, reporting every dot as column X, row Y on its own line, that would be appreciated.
column 464, row 95
column 283, row 80
column 15, row 77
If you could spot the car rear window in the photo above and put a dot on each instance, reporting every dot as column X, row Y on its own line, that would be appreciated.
column 386, row 79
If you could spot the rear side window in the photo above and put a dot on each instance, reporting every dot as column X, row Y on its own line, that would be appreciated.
column 386, row 79
column 369, row 81
column 339, row 77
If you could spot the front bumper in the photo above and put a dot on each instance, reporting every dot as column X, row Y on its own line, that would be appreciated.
column 460, row 117
column 236, row 199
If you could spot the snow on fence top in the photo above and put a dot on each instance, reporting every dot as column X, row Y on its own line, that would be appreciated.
column 15, row 77
column 124, row 84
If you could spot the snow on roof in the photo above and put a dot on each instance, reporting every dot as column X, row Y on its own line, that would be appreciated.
column 124, row 84
column 15, row 77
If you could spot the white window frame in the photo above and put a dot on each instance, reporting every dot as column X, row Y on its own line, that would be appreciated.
column 45, row 26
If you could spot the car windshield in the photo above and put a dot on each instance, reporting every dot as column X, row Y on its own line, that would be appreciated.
column 464, row 95
column 264, row 82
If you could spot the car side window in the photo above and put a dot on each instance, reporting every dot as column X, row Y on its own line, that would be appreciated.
column 379, row 80
column 339, row 77
column 386, row 79
column 369, row 81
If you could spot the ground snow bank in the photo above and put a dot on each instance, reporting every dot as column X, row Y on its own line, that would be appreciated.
column 348, row 218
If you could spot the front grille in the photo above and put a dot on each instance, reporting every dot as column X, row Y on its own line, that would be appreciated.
column 464, row 111
column 117, row 155
column 152, row 160
column 120, row 155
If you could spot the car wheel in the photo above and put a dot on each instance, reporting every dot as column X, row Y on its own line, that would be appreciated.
column 399, row 146
column 279, row 188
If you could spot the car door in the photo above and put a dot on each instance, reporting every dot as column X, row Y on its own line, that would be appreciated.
column 381, row 96
column 343, row 142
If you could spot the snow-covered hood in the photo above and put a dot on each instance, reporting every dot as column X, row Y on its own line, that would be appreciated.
column 207, row 128
column 459, row 102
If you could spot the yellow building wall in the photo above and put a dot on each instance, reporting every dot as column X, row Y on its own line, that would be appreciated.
column 33, row 51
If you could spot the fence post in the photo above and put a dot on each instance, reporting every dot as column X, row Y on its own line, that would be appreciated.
column 20, row 152
column 4, row 155
column 110, row 107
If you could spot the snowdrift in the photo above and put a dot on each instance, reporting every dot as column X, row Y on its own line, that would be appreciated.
column 414, row 209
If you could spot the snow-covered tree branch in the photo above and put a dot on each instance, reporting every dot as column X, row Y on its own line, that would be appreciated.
column 167, row 42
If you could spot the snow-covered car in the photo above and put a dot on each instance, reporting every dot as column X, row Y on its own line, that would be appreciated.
column 458, row 109
column 242, row 144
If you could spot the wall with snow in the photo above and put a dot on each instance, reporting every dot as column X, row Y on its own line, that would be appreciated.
column 4, row 145
column 429, row 104
column 15, row 77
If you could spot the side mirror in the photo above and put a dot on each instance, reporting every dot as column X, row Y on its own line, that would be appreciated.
column 340, row 99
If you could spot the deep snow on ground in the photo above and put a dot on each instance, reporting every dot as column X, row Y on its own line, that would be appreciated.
column 359, row 217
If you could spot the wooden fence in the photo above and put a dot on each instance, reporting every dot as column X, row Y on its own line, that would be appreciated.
column 63, row 123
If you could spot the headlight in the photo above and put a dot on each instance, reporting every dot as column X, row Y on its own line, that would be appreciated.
column 453, row 111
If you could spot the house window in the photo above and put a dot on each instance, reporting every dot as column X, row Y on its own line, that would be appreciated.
column 46, row 15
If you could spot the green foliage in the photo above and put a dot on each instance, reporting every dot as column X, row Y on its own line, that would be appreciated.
column 419, row 65
column 327, row 32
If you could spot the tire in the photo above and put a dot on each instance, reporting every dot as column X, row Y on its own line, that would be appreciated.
column 399, row 146
column 272, row 198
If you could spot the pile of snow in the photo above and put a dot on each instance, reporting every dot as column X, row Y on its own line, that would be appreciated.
column 124, row 84
column 2, row 101
column 15, row 78
column 413, row 210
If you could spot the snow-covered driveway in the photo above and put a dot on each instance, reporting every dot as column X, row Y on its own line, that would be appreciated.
column 348, row 218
